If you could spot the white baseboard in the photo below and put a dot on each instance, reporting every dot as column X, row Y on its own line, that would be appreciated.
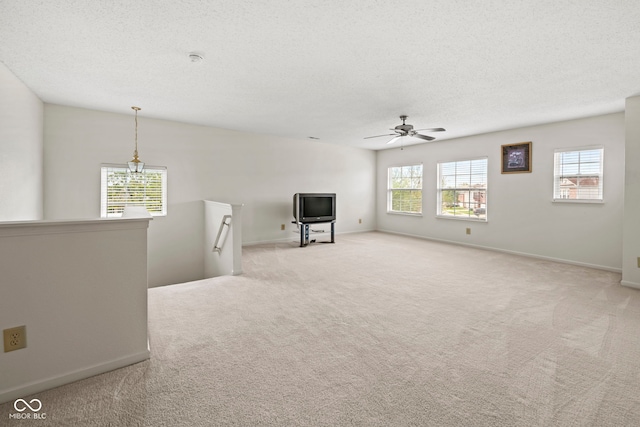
column 525, row 254
column 46, row 384
column 296, row 238
column 630, row 284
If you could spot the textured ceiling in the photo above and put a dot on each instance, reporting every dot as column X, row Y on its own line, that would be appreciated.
column 337, row 70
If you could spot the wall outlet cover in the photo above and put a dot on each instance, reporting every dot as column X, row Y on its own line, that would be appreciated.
column 15, row 338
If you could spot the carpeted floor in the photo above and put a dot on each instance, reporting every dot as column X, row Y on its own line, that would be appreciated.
column 376, row 330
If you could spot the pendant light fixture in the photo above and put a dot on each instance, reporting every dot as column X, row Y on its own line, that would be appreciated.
column 135, row 165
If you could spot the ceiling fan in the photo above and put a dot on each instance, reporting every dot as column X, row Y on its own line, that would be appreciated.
column 407, row 130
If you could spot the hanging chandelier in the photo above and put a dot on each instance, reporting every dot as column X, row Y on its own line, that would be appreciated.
column 135, row 165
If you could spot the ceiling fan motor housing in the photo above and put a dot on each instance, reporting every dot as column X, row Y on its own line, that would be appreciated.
column 403, row 129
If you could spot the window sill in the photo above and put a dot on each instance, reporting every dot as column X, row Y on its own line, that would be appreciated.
column 135, row 216
column 404, row 213
column 588, row 201
column 461, row 218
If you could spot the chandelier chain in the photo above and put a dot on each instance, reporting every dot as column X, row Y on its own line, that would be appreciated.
column 135, row 165
column 136, row 109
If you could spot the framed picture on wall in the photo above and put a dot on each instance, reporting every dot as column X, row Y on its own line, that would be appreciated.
column 516, row 158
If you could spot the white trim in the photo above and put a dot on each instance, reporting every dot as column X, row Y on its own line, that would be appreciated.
column 29, row 228
column 297, row 238
column 402, row 213
column 464, row 159
column 80, row 374
column 628, row 284
column 399, row 165
column 126, row 166
column 524, row 254
column 580, row 148
column 462, row 218
column 593, row 201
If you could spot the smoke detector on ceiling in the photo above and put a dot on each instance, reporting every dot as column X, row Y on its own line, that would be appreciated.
column 196, row 57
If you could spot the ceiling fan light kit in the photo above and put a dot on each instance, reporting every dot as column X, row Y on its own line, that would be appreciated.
column 407, row 130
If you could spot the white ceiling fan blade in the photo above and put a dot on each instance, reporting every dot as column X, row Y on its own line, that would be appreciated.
column 378, row 136
column 425, row 137
column 394, row 139
column 432, row 130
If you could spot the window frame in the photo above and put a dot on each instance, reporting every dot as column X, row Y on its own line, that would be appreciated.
column 440, row 189
column 390, row 189
column 556, row 176
column 104, row 203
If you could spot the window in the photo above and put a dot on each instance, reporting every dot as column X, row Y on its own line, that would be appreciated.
column 462, row 191
column 405, row 189
column 578, row 175
column 120, row 188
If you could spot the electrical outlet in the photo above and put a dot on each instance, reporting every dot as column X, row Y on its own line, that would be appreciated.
column 360, row 221
column 281, row 226
column 15, row 338
column 468, row 231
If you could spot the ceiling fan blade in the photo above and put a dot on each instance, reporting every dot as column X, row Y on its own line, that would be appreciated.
column 378, row 136
column 426, row 137
column 391, row 141
column 432, row 130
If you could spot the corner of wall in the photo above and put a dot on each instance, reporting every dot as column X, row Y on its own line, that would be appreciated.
column 630, row 224
column 21, row 150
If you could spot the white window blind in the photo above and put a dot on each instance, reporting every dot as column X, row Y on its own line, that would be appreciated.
column 121, row 188
column 462, row 189
column 578, row 174
column 404, row 189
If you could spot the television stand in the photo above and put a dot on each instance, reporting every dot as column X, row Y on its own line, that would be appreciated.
column 304, row 231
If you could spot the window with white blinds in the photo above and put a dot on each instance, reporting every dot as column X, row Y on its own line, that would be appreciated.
column 462, row 189
column 578, row 175
column 120, row 188
column 404, row 191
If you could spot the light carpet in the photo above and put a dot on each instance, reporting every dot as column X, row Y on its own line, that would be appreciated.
column 376, row 330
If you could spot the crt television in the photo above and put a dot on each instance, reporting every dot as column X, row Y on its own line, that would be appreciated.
column 314, row 207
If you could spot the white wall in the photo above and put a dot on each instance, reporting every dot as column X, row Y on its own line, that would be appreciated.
column 20, row 150
column 260, row 171
column 521, row 215
column 631, row 242
column 80, row 288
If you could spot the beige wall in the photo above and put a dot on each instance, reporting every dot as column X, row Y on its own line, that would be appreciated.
column 261, row 172
column 80, row 288
column 522, row 216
